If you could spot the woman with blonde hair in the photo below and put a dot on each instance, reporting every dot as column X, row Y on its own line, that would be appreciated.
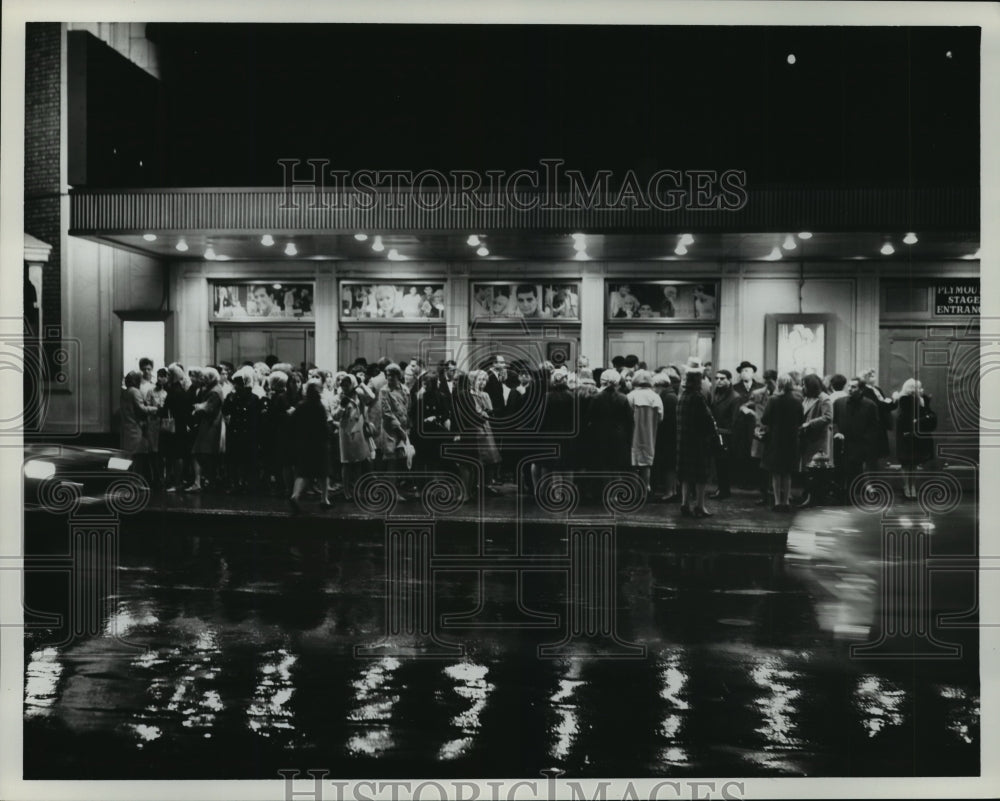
column 914, row 422
column 647, row 413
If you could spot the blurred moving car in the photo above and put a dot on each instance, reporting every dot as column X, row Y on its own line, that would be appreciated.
column 58, row 476
column 902, row 583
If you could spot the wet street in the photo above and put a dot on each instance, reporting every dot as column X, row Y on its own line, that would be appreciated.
column 232, row 654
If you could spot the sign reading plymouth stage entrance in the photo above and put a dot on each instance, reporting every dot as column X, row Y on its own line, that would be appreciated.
column 957, row 299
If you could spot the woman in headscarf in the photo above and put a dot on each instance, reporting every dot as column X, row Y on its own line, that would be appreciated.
column 356, row 447
column 647, row 412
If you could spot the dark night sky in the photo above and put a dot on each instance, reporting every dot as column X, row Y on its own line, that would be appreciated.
column 859, row 106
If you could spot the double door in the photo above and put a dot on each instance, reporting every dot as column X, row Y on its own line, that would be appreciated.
column 660, row 347
column 294, row 345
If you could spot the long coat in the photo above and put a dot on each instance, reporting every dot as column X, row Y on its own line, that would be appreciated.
column 857, row 419
column 695, row 437
column 609, row 425
column 647, row 411
column 135, row 418
column 782, row 417
column 816, row 435
column 558, row 424
column 209, row 422
column 744, row 424
column 665, row 457
column 913, row 446
column 757, row 404
column 884, row 406
column 310, row 438
column 394, row 408
column 351, row 415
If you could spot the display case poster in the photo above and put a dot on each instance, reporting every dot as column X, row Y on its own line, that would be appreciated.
column 661, row 300
column 526, row 300
column 259, row 300
column 413, row 300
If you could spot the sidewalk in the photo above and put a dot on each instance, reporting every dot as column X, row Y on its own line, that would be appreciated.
column 736, row 515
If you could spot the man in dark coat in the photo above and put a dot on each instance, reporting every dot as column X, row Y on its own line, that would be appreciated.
column 742, row 436
column 856, row 423
column 725, row 405
column 558, row 425
column 609, row 424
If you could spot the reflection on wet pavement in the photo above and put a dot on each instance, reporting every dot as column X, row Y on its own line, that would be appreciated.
column 246, row 664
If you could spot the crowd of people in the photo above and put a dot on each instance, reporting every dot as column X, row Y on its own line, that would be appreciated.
column 272, row 427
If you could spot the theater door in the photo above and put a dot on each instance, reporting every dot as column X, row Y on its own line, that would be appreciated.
column 660, row 347
column 399, row 344
column 290, row 344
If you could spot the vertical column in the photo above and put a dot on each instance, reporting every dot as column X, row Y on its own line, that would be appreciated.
column 327, row 309
column 866, row 323
column 592, row 599
column 592, row 313
column 905, row 604
column 728, row 352
column 457, row 306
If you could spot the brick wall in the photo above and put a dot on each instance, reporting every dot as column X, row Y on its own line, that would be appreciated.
column 41, row 154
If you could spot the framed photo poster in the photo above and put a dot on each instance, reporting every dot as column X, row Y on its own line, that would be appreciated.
column 661, row 301
column 413, row 300
column 802, row 343
column 255, row 301
column 525, row 300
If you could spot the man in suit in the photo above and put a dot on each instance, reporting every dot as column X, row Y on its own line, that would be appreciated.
column 725, row 405
column 856, row 423
column 742, row 437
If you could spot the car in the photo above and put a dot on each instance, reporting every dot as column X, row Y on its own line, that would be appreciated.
column 899, row 584
column 62, row 478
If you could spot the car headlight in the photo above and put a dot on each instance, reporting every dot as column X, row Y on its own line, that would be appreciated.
column 39, row 469
column 117, row 463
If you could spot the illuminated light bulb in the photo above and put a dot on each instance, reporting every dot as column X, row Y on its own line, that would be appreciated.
column 276, row 286
column 395, row 255
column 947, row 54
column 887, row 249
column 680, row 250
column 974, row 256
column 222, row 258
column 182, row 246
column 910, row 239
column 210, row 253
column 580, row 244
column 581, row 255
column 577, row 237
column 791, row 58
column 805, row 235
column 267, row 240
column 789, row 243
column 377, row 245
column 149, row 237
column 361, row 237
column 483, row 251
column 774, row 255
column 686, row 239
column 472, row 241
column 290, row 249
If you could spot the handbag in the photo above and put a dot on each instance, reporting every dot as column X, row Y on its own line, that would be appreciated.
column 168, row 424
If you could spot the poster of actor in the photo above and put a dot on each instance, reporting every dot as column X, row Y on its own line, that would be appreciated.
column 661, row 300
column 528, row 300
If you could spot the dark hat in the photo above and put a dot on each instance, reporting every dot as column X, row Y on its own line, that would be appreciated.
column 745, row 363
